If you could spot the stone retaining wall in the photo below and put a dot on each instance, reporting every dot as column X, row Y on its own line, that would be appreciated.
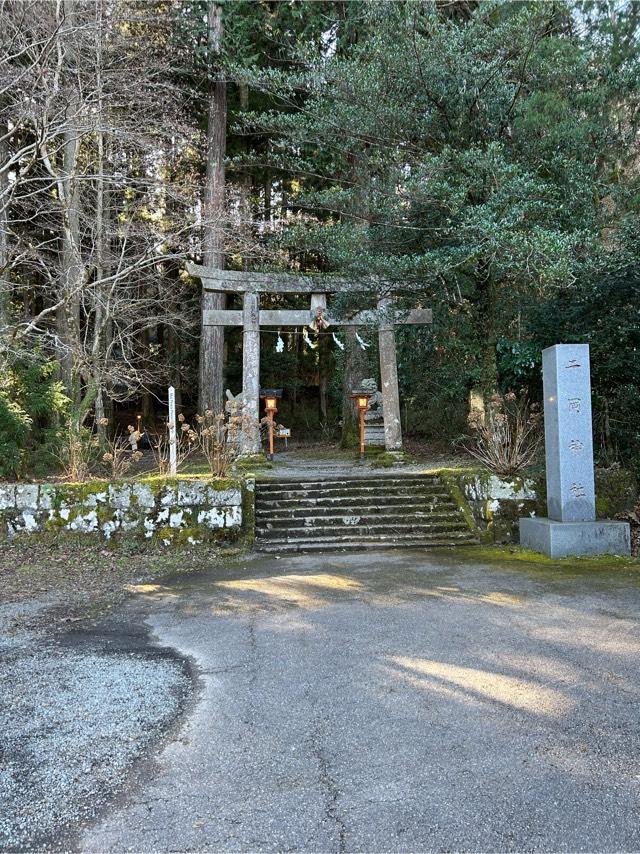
column 497, row 503
column 171, row 511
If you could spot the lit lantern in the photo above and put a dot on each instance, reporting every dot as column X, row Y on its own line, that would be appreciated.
column 361, row 399
column 271, row 397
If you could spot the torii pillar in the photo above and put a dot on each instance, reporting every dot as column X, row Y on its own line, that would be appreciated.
column 389, row 380
column 251, row 373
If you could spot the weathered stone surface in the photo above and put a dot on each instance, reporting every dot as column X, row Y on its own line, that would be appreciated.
column 389, row 383
column 191, row 492
column 7, row 496
column 26, row 496
column 143, row 496
column 496, row 502
column 84, row 524
column 27, row 521
column 109, row 528
column 212, row 518
column 95, row 499
column 570, row 528
column 233, row 517
column 223, row 497
column 168, row 497
column 123, row 507
column 128, row 521
column 120, row 496
column 568, row 433
column 46, row 497
column 163, row 516
column 562, row 539
column 176, row 519
column 496, row 488
column 251, row 374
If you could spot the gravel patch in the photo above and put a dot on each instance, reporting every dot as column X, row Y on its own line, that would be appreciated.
column 73, row 717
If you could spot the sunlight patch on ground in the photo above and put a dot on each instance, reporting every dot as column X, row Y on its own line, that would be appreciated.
column 157, row 591
column 305, row 591
column 474, row 684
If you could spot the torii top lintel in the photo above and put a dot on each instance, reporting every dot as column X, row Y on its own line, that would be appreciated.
column 234, row 281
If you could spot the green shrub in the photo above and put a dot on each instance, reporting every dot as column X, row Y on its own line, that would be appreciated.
column 32, row 403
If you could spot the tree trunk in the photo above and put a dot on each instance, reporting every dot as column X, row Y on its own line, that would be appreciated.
column 246, row 218
column 212, row 337
column 100, row 320
column 68, row 315
column 5, row 294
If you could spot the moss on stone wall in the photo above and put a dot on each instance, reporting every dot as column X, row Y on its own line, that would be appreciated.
column 168, row 509
column 458, row 496
column 249, row 511
column 77, row 493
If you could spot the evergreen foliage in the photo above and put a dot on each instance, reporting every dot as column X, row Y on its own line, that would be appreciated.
column 603, row 310
column 32, row 407
column 481, row 156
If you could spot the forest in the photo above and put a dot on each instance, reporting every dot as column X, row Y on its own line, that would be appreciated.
column 482, row 156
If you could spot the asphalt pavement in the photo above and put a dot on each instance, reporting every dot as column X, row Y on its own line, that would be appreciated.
column 393, row 701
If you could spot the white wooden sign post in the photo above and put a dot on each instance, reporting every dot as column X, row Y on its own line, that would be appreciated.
column 173, row 449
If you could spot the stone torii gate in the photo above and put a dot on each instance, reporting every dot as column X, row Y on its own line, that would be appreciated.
column 252, row 318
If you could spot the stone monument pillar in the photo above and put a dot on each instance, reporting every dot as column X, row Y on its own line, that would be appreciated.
column 571, row 527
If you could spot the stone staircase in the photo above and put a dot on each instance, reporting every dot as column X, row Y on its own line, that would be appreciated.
column 357, row 512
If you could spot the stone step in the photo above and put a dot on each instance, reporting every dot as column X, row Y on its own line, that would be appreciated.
column 380, row 542
column 360, row 531
column 395, row 523
column 365, row 492
column 293, row 515
column 382, row 477
column 382, row 484
column 353, row 483
column 408, row 502
column 266, row 521
column 339, row 510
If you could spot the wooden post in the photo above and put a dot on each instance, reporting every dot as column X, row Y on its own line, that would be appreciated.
column 173, row 448
column 271, row 434
column 389, row 381
column 251, row 374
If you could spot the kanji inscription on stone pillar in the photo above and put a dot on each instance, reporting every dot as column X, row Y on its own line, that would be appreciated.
column 568, row 436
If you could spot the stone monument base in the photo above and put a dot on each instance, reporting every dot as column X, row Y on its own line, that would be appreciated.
column 561, row 539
